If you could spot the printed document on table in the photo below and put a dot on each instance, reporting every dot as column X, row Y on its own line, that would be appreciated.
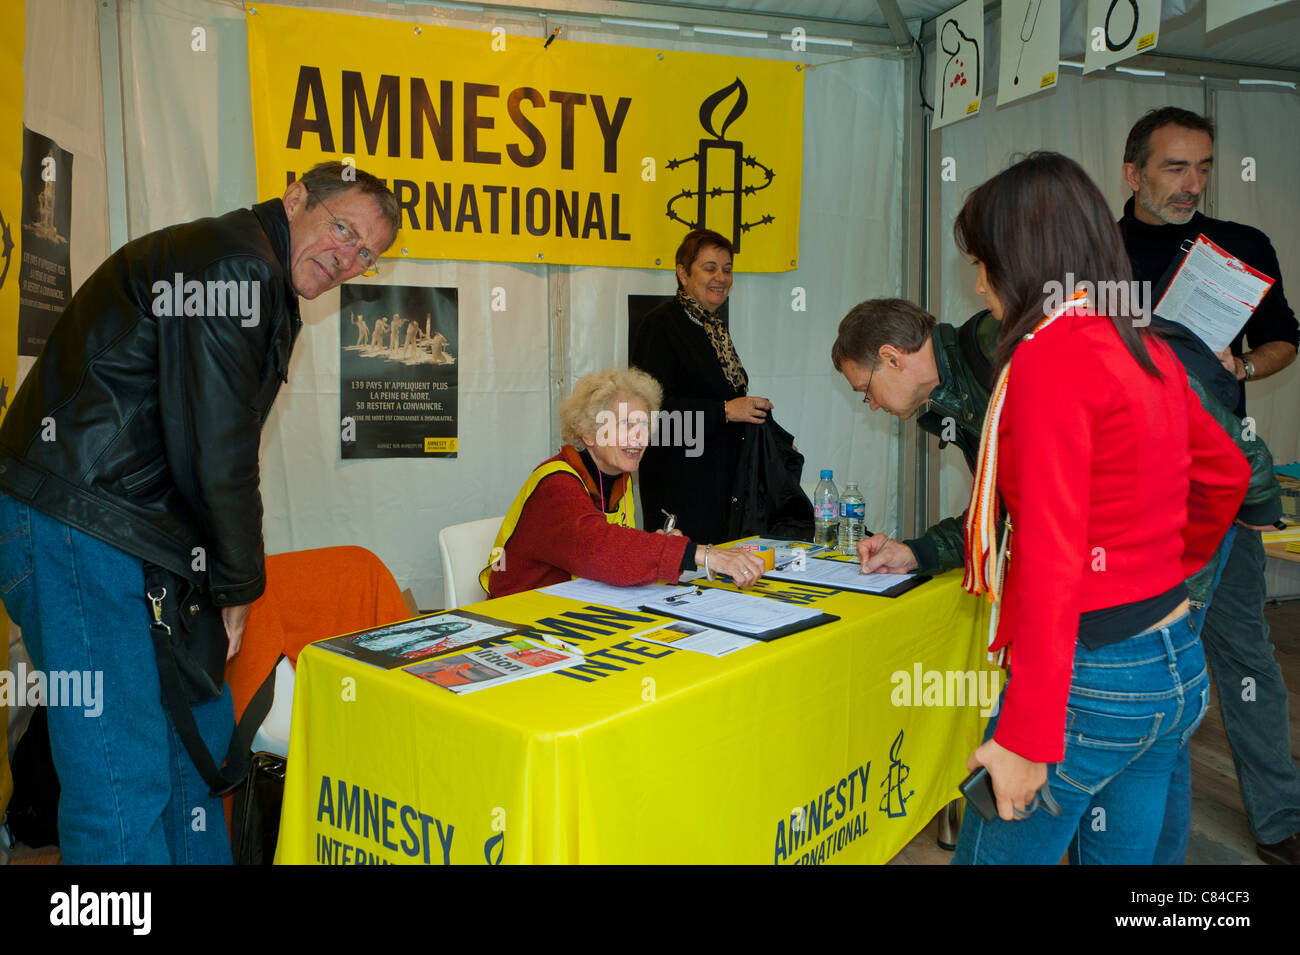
column 607, row 595
column 841, row 574
column 1213, row 294
column 732, row 611
column 681, row 635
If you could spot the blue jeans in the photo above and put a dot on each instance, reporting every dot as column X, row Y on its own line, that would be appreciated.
column 1132, row 706
column 130, row 793
column 1171, row 847
column 1252, row 694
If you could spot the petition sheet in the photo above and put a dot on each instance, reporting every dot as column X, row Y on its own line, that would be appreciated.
column 733, row 611
column 842, row 574
column 1213, row 294
column 607, row 595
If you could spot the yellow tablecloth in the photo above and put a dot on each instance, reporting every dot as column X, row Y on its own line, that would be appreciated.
column 837, row 744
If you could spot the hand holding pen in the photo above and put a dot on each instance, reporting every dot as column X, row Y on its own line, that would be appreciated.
column 881, row 554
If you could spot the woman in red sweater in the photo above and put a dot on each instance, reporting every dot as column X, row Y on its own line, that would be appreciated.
column 574, row 515
column 1117, row 485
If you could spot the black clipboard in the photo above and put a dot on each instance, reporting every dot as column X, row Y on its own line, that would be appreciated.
column 773, row 634
column 902, row 587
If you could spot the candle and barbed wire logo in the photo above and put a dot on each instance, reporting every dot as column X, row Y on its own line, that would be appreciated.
column 725, row 159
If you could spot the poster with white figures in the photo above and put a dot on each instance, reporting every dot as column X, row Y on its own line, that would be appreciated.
column 1219, row 12
column 1031, row 48
column 958, row 63
column 1119, row 29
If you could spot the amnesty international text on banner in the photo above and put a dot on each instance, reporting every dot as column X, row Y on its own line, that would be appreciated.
column 502, row 149
column 399, row 346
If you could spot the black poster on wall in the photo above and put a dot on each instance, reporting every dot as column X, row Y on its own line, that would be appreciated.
column 398, row 352
column 44, row 280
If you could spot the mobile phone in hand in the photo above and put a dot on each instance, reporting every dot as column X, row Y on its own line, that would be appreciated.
column 978, row 790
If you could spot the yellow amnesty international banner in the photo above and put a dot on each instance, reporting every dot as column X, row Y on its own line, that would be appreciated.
column 837, row 744
column 11, row 208
column 501, row 148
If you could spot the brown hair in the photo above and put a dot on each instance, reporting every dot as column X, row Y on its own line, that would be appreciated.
column 1137, row 148
column 878, row 322
column 696, row 240
column 330, row 179
column 1036, row 226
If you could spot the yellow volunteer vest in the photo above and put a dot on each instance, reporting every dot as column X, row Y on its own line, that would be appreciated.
column 624, row 514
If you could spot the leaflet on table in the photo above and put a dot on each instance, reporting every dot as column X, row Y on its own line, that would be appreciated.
column 493, row 666
column 398, row 644
column 733, row 611
column 1213, row 294
column 681, row 635
column 607, row 595
column 843, row 575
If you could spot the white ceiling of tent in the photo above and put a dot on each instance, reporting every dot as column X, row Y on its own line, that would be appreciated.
column 1270, row 38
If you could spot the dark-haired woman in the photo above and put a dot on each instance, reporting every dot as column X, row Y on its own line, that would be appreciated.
column 1117, row 486
column 685, row 346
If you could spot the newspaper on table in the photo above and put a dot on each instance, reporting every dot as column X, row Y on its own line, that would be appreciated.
column 493, row 666
column 1213, row 294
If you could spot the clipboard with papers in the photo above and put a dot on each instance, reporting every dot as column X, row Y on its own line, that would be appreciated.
column 758, row 618
column 844, row 575
column 1211, row 292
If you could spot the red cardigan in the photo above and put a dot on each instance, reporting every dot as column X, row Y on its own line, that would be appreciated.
column 562, row 532
column 1119, row 485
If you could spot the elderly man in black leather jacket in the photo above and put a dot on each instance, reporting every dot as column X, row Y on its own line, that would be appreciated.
column 131, row 449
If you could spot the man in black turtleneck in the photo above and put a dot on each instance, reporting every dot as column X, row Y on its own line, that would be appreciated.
column 1167, row 161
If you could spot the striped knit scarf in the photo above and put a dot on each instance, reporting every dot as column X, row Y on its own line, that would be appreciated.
column 985, row 559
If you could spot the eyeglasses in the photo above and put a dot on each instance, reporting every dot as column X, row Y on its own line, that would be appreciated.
column 345, row 237
column 866, row 392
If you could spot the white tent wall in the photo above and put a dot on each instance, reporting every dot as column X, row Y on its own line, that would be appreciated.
column 1263, row 123
column 189, row 153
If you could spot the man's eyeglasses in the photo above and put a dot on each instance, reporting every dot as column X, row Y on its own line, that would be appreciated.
column 345, row 237
column 866, row 392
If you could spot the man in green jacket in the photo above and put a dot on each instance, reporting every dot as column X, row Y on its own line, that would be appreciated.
column 903, row 361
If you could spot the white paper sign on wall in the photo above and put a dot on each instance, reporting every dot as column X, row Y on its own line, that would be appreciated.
column 1031, row 48
column 958, row 63
column 1118, row 29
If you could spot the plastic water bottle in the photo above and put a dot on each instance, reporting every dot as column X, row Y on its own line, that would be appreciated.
column 826, row 511
column 853, row 518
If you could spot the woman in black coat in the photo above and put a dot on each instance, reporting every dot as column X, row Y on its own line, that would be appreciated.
column 687, row 348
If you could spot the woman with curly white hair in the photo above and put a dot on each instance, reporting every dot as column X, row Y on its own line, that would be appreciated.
column 574, row 516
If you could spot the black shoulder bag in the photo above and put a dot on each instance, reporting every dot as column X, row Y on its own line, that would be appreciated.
column 190, row 642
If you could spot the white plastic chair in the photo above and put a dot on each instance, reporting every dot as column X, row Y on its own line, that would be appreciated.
column 273, row 735
column 465, row 550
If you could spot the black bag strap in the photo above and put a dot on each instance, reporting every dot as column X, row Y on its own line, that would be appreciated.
column 237, row 756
